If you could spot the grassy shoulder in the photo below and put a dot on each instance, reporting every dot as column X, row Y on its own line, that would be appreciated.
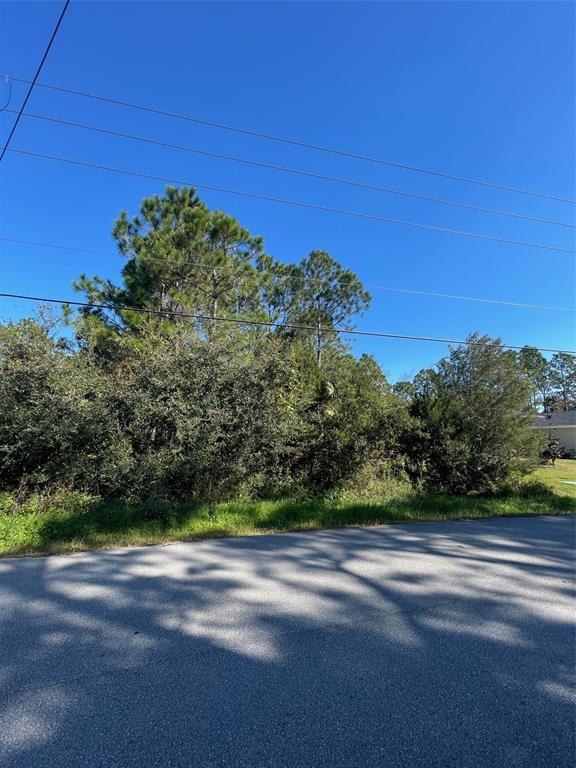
column 73, row 522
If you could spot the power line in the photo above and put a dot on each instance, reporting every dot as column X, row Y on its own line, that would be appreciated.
column 296, row 143
column 297, row 203
column 59, row 247
column 102, row 253
column 32, row 82
column 270, row 324
column 470, row 298
column 210, row 268
column 295, row 171
column 4, row 107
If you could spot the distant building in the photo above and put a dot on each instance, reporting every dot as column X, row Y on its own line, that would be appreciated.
column 562, row 426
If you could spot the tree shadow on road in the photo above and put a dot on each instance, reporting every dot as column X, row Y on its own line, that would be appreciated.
column 430, row 645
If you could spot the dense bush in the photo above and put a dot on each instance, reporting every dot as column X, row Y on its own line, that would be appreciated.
column 214, row 372
column 184, row 418
column 472, row 423
column 245, row 414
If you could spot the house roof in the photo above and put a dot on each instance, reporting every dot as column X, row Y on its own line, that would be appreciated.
column 557, row 419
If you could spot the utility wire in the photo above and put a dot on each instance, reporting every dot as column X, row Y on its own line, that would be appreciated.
column 4, row 108
column 297, row 203
column 296, row 143
column 209, row 268
column 59, row 247
column 468, row 298
column 32, row 82
column 267, row 323
column 295, row 171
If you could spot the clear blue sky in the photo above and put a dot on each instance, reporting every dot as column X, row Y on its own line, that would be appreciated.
column 478, row 89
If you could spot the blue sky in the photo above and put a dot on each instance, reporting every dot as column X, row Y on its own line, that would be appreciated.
column 478, row 89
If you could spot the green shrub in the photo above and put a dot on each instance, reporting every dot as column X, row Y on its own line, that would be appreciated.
column 472, row 421
column 155, row 399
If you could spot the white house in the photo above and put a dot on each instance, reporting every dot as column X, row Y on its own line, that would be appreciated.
column 561, row 425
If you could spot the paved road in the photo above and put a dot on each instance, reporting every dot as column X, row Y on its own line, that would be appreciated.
column 416, row 646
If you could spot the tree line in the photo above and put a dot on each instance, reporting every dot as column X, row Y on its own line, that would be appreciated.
column 153, row 395
column 553, row 381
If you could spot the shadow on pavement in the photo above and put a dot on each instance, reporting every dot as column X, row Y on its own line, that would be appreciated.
column 429, row 645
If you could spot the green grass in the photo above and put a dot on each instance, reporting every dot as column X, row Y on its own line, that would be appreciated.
column 72, row 522
column 565, row 469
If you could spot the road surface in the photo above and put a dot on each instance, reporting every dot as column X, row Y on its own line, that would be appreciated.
column 447, row 644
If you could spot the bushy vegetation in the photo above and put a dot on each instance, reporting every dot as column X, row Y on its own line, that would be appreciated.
column 182, row 418
column 472, row 428
column 190, row 384
column 68, row 522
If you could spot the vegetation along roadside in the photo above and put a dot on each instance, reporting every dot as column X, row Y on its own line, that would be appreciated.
column 211, row 394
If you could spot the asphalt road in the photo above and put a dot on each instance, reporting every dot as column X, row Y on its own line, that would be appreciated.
column 428, row 645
